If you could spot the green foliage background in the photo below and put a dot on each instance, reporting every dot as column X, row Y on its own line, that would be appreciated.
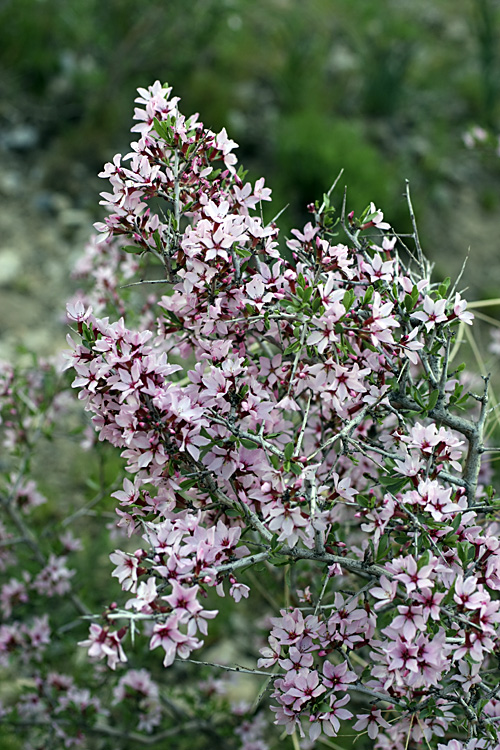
column 383, row 90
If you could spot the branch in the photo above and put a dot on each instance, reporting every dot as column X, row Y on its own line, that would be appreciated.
column 243, row 562
column 350, row 563
column 422, row 260
column 300, row 438
column 346, row 431
column 243, row 670
column 258, row 439
column 32, row 542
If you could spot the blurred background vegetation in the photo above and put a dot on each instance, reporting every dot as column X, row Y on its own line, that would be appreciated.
column 385, row 90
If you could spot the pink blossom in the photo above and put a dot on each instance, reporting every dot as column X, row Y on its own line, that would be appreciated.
column 339, row 677
column 433, row 312
column 385, row 593
column 103, row 644
column 373, row 722
column 126, row 572
column 414, row 577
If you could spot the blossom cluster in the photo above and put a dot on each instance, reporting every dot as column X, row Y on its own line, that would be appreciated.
column 319, row 396
column 284, row 404
column 55, row 698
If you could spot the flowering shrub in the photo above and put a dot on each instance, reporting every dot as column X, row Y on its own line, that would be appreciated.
column 288, row 413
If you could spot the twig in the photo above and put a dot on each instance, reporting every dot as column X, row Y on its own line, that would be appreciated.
column 32, row 542
column 423, row 262
column 300, row 437
column 243, row 562
column 243, row 670
column 330, row 191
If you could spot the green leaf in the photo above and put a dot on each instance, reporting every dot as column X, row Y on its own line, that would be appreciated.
column 393, row 484
column 274, row 542
column 424, row 559
column 316, row 304
column 289, row 449
column 368, row 295
column 243, row 252
column 408, row 302
column 384, row 545
column 157, row 239
column 466, row 552
column 275, row 461
column 277, row 561
column 365, row 502
column 443, row 287
column 188, row 483
column 348, row 299
column 418, row 398
column 164, row 129
column 433, row 399
column 307, row 293
column 450, row 540
column 136, row 249
column 249, row 444
column 294, row 347
column 456, row 522
column 242, row 173
column 449, row 595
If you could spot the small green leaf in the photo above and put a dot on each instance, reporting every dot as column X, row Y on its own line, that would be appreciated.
column 294, row 347
column 433, row 399
column 364, row 501
column 418, row 398
column 456, row 522
column 465, row 552
column 450, row 540
column 443, row 287
column 187, row 484
column 249, row 444
column 424, row 559
column 393, row 483
column 274, row 460
column 157, row 239
column 368, row 295
column 348, row 299
column 307, row 293
column 383, row 547
column 274, row 542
